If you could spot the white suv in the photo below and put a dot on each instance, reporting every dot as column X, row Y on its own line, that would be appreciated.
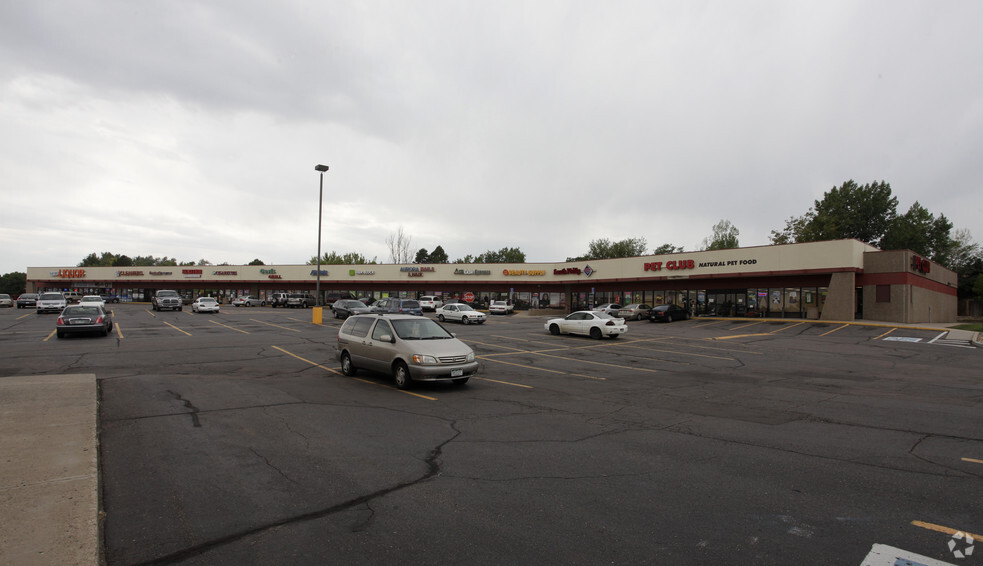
column 430, row 303
column 51, row 302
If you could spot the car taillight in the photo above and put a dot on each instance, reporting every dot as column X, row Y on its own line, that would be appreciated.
column 99, row 320
column 61, row 320
column 609, row 323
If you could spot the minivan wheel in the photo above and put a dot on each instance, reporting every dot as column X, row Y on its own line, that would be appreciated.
column 401, row 375
column 347, row 367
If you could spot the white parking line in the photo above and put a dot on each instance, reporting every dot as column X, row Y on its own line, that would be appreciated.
column 884, row 555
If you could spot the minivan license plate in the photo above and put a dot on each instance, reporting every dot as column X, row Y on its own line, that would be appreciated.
column 457, row 372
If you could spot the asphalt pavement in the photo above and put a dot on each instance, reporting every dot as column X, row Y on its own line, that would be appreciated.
column 49, row 478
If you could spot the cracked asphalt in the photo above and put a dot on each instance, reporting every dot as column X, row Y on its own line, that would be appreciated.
column 234, row 439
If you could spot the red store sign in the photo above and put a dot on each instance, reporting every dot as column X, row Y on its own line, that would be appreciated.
column 670, row 265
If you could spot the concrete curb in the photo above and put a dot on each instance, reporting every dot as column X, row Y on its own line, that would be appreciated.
column 49, row 478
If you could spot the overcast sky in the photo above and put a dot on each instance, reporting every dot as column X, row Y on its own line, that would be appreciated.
column 191, row 129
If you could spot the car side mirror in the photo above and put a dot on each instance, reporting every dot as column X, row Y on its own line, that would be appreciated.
column 387, row 338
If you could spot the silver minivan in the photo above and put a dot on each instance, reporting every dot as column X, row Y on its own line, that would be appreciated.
column 408, row 347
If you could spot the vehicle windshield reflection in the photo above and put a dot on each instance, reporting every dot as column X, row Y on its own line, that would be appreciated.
column 423, row 329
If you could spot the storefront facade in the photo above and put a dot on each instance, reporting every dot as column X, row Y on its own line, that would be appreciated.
column 837, row 280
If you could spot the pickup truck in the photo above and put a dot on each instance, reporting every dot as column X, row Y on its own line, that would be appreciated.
column 166, row 300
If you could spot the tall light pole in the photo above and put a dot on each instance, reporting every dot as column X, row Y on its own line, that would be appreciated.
column 320, row 200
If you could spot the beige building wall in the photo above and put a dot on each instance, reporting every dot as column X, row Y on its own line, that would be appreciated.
column 916, row 297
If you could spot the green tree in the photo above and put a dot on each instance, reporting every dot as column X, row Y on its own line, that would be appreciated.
column 604, row 248
column 438, row 255
column 504, row 255
column 724, row 237
column 92, row 260
column 849, row 211
column 978, row 287
column 332, row 258
column 13, row 283
column 667, row 249
column 422, row 256
column 256, row 261
column 920, row 231
column 122, row 261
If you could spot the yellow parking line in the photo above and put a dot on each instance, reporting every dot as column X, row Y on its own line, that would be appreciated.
column 834, row 330
column 746, row 325
column 946, row 530
column 973, row 460
column 334, row 371
column 710, row 347
column 885, row 334
column 541, row 353
column 119, row 331
column 48, row 337
column 504, row 382
column 227, row 326
column 275, row 325
column 151, row 313
column 629, row 345
column 176, row 328
column 740, row 336
column 27, row 315
column 787, row 327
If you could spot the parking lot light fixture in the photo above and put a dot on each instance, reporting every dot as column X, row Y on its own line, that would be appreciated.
column 320, row 200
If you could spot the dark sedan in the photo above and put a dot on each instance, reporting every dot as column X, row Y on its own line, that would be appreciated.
column 27, row 300
column 344, row 308
column 78, row 319
column 667, row 313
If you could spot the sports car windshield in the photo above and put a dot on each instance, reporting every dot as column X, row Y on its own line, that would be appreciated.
column 420, row 329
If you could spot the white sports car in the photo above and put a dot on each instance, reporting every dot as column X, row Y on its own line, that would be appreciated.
column 461, row 313
column 588, row 323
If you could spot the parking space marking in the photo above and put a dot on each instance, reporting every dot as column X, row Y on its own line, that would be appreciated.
column 26, row 315
column 151, row 313
column 885, row 334
column 48, row 337
column 973, row 460
column 504, row 382
column 746, row 325
column 834, row 330
column 119, row 331
column 709, row 323
column 740, row 336
column 946, row 530
column 487, row 358
column 176, row 328
column 336, row 372
column 787, row 327
column 753, row 352
column 543, row 353
column 932, row 341
column 227, row 326
column 650, row 349
column 275, row 325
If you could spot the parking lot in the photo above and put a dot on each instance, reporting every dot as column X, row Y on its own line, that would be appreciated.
column 235, row 439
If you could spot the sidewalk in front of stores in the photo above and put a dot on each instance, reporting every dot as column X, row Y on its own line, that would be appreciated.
column 49, row 477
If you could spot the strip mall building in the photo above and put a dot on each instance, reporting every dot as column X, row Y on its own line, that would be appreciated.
column 840, row 280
